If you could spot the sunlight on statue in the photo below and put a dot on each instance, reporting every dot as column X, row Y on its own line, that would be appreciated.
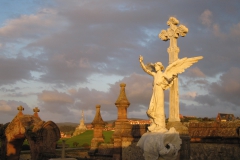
column 162, row 81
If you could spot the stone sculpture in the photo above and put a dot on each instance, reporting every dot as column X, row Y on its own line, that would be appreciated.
column 172, row 34
column 42, row 137
column 161, row 82
column 159, row 142
column 81, row 127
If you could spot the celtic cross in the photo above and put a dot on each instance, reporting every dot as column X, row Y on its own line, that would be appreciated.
column 20, row 108
column 172, row 34
column 35, row 110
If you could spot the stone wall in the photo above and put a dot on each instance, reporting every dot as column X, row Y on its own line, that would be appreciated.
column 214, row 140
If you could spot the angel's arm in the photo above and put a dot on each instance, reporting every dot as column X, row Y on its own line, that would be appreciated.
column 143, row 66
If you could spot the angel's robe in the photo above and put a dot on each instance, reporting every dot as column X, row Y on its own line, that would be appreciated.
column 156, row 108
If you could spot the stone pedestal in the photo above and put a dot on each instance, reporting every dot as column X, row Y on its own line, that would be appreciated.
column 184, row 135
column 157, row 145
column 98, row 125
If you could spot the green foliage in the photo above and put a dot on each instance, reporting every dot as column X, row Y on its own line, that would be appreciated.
column 85, row 145
column 85, row 138
column 25, row 147
column 67, row 129
column 107, row 136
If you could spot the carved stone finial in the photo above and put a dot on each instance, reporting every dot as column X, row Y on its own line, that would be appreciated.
column 122, row 98
column 98, row 118
column 122, row 104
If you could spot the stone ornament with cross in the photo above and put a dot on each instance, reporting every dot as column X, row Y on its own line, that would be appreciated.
column 172, row 33
column 35, row 110
column 165, row 79
column 20, row 108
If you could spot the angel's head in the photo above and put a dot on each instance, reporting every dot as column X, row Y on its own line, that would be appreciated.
column 158, row 66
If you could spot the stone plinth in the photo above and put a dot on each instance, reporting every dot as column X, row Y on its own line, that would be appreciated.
column 184, row 135
column 157, row 145
column 122, row 126
column 98, row 125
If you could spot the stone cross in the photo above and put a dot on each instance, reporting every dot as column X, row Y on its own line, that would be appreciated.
column 35, row 110
column 63, row 149
column 20, row 108
column 172, row 34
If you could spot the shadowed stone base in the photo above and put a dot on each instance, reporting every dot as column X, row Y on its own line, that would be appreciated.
column 160, row 145
column 184, row 135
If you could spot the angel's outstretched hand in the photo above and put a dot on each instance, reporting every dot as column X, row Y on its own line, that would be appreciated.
column 140, row 58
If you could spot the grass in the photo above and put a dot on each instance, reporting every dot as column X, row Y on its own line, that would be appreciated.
column 85, row 138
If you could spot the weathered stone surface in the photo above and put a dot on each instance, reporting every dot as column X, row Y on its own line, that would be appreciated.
column 214, row 140
column 98, row 125
column 213, row 129
column 42, row 137
column 212, row 151
column 105, row 149
column 172, row 34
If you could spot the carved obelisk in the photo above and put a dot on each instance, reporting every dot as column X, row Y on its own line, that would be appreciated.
column 172, row 34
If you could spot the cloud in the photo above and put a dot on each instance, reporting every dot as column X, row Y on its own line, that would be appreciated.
column 228, row 87
column 55, row 97
column 189, row 95
column 235, row 30
column 63, row 46
column 217, row 32
column 16, row 69
column 207, row 99
column 8, row 110
column 206, row 18
column 195, row 72
column 29, row 26
column 4, row 107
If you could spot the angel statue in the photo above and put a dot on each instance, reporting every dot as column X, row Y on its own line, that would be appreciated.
column 162, row 81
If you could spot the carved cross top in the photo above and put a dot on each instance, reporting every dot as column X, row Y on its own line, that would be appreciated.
column 173, row 31
column 20, row 108
column 35, row 110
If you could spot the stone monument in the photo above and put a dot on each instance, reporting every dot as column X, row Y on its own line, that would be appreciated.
column 122, row 134
column 159, row 142
column 42, row 137
column 81, row 127
column 98, row 125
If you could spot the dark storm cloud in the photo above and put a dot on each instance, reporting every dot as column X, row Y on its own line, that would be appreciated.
column 228, row 87
column 69, row 41
column 16, row 69
column 89, row 37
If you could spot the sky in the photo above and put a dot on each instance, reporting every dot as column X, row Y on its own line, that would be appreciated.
column 65, row 56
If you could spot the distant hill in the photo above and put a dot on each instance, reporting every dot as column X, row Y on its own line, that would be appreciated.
column 76, row 124
column 67, row 124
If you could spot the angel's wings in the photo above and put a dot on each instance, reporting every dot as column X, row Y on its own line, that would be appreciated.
column 180, row 65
